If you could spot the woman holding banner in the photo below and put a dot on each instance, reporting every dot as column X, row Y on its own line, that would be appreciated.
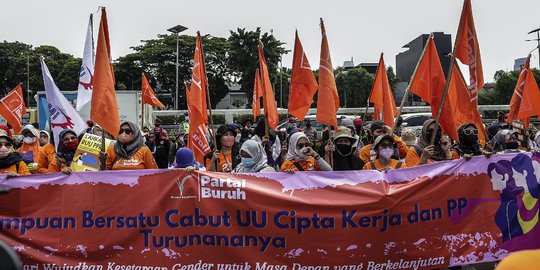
column 11, row 163
column 384, row 149
column 30, row 148
column 65, row 152
column 301, row 157
column 424, row 153
column 129, row 152
column 227, row 153
column 253, row 158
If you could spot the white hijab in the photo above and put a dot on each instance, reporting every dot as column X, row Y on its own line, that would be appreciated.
column 256, row 151
column 292, row 152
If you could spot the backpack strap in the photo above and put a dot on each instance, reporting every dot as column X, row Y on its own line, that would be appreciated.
column 418, row 150
column 17, row 167
column 398, row 165
column 297, row 165
column 372, row 164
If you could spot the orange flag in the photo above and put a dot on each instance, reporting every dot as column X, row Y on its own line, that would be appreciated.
column 12, row 108
column 328, row 99
column 428, row 83
column 526, row 98
column 269, row 100
column 148, row 96
column 197, row 141
column 303, row 83
column 465, row 109
column 382, row 97
column 467, row 50
column 104, row 110
column 199, row 82
column 257, row 94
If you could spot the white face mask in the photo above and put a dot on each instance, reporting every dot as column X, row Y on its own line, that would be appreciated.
column 386, row 153
column 29, row 140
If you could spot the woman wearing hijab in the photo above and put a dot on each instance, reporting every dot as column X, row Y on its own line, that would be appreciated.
column 11, row 163
column 424, row 153
column 226, row 154
column 343, row 150
column 186, row 160
column 47, row 152
column 67, row 146
column 30, row 148
column 301, row 157
column 506, row 141
column 270, row 143
column 253, row 158
column 469, row 145
column 129, row 152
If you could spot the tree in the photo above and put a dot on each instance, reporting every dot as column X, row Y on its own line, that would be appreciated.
column 243, row 57
column 354, row 86
column 505, row 83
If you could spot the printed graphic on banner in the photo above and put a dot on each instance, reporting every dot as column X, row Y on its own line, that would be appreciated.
column 86, row 157
column 432, row 216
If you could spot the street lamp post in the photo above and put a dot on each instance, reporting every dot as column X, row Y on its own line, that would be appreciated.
column 176, row 30
column 537, row 40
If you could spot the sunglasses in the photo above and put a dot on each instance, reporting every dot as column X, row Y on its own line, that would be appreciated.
column 302, row 145
column 6, row 144
column 128, row 131
column 386, row 145
column 470, row 131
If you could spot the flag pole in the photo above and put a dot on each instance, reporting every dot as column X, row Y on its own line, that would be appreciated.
column 103, row 165
column 407, row 90
column 142, row 104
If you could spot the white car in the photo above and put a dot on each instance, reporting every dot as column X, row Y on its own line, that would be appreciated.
column 415, row 121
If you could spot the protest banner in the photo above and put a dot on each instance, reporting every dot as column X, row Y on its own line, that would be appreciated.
column 432, row 216
column 87, row 155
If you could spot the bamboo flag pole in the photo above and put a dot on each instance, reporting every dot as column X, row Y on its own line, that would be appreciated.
column 142, row 105
column 407, row 90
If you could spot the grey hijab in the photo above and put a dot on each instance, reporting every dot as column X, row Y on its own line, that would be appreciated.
column 292, row 152
column 255, row 150
column 128, row 150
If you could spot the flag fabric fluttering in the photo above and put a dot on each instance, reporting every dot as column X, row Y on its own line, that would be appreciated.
column 257, row 94
column 303, row 82
column 467, row 50
column 86, row 77
column 526, row 98
column 269, row 99
column 12, row 108
column 429, row 83
column 61, row 114
column 197, row 141
column 382, row 97
column 199, row 81
column 148, row 95
column 328, row 98
column 465, row 109
column 104, row 110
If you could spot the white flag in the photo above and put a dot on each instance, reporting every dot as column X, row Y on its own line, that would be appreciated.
column 61, row 114
column 86, row 78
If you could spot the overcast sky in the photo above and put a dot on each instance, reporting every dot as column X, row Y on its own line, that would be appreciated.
column 360, row 29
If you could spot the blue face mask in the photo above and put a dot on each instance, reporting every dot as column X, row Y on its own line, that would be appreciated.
column 248, row 162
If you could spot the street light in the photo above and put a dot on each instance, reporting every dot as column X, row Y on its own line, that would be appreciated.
column 537, row 40
column 175, row 30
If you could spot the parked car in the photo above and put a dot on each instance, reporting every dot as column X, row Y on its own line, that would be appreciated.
column 415, row 121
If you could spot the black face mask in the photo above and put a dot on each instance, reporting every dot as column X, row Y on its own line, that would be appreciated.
column 512, row 145
column 470, row 140
column 344, row 149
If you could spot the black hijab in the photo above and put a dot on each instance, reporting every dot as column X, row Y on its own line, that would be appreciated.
column 129, row 149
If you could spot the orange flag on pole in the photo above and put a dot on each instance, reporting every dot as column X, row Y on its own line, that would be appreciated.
column 467, row 50
column 104, row 110
column 465, row 109
column 197, row 141
column 382, row 97
column 257, row 94
column 428, row 83
column 303, row 83
column 199, row 82
column 328, row 99
column 148, row 96
column 526, row 98
column 269, row 100
column 12, row 108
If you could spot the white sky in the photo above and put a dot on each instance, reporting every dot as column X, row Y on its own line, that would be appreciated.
column 361, row 29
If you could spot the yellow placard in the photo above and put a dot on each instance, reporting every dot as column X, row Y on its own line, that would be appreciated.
column 86, row 157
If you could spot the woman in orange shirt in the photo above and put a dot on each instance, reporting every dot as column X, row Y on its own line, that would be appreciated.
column 30, row 147
column 424, row 153
column 129, row 152
column 227, row 154
column 384, row 147
column 47, row 152
column 67, row 146
column 11, row 163
column 301, row 157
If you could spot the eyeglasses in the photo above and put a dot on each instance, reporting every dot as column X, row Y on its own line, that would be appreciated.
column 302, row 145
column 128, row 131
column 6, row 144
column 70, row 138
column 470, row 131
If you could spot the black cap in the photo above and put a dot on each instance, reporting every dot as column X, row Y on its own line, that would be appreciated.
column 376, row 125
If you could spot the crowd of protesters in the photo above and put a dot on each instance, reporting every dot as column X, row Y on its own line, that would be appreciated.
column 249, row 148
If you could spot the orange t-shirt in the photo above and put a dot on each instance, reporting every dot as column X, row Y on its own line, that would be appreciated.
column 392, row 165
column 45, row 157
column 23, row 169
column 413, row 159
column 309, row 164
column 53, row 166
column 367, row 154
column 30, row 150
column 142, row 159
column 225, row 162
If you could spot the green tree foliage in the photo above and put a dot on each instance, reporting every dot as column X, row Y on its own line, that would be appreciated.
column 505, row 83
column 354, row 86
